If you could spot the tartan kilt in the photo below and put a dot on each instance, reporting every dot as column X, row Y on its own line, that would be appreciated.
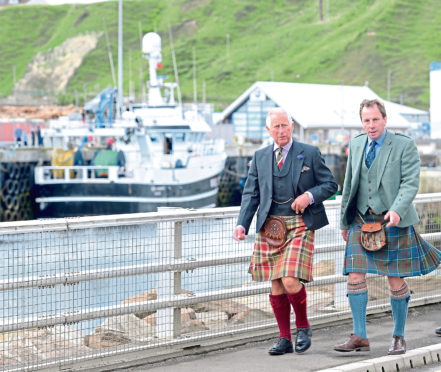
column 294, row 258
column 405, row 254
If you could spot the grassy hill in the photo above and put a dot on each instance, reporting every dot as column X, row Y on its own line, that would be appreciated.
column 358, row 41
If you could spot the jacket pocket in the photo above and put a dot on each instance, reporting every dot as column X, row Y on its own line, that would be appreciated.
column 319, row 208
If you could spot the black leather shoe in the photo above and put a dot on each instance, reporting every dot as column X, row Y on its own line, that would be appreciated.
column 438, row 331
column 303, row 339
column 282, row 346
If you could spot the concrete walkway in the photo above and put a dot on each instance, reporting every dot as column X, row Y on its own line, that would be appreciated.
column 424, row 350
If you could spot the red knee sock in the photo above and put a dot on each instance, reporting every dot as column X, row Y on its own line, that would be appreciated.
column 298, row 302
column 282, row 312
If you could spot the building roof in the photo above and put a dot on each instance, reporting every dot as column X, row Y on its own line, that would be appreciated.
column 323, row 106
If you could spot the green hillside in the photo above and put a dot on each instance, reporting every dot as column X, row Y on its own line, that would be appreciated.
column 357, row 41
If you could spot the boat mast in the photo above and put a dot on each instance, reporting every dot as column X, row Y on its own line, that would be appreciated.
column 175, row 66
column 151, row 47
column 120, row 62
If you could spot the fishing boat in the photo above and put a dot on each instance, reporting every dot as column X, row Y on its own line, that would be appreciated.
column 152, row 155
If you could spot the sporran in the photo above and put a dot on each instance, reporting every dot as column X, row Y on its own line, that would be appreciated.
column 274, row 230
column 373, row 236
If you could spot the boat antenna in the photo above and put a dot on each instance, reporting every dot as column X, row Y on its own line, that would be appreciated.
column 151, row 47
column 175, row 67
column 195, row 92
column 141, row 73
column 109, row 53
column 120, row 61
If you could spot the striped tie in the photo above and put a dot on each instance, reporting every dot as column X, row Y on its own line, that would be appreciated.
column 279, row 159
column 371, row 154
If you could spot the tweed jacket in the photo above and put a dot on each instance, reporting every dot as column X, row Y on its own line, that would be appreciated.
column 309, row 174
column 398, row 177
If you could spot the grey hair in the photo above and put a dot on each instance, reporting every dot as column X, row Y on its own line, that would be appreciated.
column 275, row 111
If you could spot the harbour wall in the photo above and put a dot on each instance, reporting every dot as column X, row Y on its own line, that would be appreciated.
column 17, row 177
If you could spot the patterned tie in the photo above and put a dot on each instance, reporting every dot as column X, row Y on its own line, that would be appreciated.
column 279, row 159
column 371, row 154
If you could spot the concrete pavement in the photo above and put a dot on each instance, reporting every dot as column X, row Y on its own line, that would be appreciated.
column 424, row 350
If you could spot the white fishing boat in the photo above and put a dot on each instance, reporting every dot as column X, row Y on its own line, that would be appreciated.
column 158, row 156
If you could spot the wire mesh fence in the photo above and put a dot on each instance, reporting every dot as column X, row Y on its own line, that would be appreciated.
column 80, row 289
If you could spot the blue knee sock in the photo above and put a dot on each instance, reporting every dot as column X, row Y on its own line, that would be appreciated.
column 399, row 302
column 358, row 299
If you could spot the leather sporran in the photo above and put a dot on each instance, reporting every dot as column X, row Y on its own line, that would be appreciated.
column 373, row 236
column 274, row 230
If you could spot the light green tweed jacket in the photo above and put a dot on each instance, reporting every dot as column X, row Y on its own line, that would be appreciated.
column 397, row 178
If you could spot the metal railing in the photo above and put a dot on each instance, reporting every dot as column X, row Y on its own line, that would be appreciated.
column 78, row 289
column 48, row 174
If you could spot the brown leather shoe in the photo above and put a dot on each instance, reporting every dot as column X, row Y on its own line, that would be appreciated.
column 354, row 343
column 398, row 346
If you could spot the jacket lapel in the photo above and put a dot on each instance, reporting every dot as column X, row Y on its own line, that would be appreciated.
column 383, row 156
column 268, row 160
column 357, row 157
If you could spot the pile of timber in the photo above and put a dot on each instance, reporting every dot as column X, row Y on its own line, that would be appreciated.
column 37, row 112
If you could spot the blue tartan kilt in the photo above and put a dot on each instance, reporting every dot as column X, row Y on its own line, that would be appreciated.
column 406, row 252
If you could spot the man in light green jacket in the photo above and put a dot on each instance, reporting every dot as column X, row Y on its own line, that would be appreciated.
column 381, row 182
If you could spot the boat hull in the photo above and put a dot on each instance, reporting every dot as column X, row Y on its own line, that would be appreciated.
column 88, row 199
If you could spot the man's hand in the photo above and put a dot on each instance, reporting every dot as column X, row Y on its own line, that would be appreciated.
column 239, row 233
column 393, row 217
column 301, row 203
column 344, row 234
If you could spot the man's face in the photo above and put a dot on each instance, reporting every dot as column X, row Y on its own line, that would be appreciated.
column 373, row 122
column 280, row 129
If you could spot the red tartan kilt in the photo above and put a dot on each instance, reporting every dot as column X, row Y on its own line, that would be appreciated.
column 294, row 258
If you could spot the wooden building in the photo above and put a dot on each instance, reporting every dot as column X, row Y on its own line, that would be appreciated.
column 322, row 113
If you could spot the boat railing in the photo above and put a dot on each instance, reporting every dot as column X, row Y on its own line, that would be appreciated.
column 78, row 173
